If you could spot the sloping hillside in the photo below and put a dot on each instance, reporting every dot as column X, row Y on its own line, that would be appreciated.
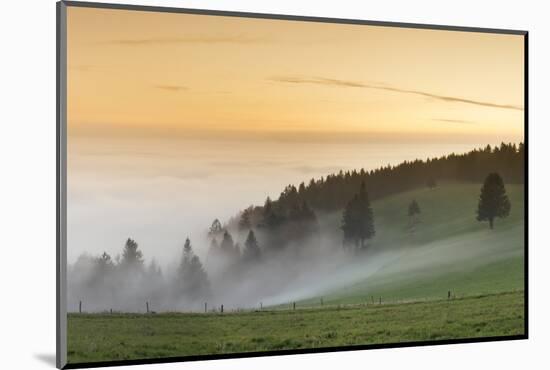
column 447, row 251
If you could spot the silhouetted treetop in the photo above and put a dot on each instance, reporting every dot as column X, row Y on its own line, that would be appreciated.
column 131, row 256
column 215, row 229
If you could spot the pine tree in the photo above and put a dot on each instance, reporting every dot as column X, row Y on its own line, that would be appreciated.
column 215, row 229
column 104, row 267
column 349, row 222
column 270, row 218
column 187, row 251
column 104, row 264
column 366, row 220
column 251, row 248
column 227, row 246
column 192, row 278
column 358, row 219
column 493, row 201
column 244, row 221
column 132, row 257
column 198, row 284
column 302, row 188
column 271, row 225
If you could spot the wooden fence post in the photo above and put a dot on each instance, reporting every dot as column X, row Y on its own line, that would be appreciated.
column 293, row 305
column 222, row 308
column 205, row 307
column 449, row 294
column 147, row 306
column 79, row 306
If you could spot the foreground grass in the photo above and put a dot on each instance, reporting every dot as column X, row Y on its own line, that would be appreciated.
column 107, row 337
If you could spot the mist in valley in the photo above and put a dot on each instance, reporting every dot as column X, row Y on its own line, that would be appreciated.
column 172, row 227
column 235, row 280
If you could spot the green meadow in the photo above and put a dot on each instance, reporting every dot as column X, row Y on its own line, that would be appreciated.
column 107, row 337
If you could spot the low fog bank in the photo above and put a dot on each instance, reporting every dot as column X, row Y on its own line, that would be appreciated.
column 313, row 240
column 317, row 266
column 243, row 269
column 239, row 279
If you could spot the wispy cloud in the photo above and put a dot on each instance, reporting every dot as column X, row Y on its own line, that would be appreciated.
column 173, row 88
column 236, row 39
column 454, row 121
column 356, row 84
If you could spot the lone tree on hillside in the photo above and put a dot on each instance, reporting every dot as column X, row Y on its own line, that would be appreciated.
column 493, row 201
column 413, row 212
column 358, row 219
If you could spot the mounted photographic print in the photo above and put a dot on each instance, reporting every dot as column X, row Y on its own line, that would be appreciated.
column 236, row 184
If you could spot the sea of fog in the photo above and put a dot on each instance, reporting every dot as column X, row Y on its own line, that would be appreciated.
column 160, row 191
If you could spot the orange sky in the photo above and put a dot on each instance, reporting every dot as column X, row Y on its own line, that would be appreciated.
column 184, row 73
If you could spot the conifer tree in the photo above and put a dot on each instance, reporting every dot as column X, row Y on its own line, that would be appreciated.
column 358, row 219
column 105, row 264
column 227, row 244
column 192, row 278
column 244, row 221
column 132, row 257
column 493, row 201
column 349, row 221
column 215, row 229
column 251, row 250
column 270, row 218
column 366, row 220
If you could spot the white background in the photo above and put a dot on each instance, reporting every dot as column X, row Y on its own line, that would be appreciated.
column 27, row 196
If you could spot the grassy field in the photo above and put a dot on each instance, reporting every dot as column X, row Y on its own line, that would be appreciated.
column 103, row 337
column 448, row 251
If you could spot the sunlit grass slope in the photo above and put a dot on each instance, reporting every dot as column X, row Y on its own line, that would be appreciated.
column 449, row 250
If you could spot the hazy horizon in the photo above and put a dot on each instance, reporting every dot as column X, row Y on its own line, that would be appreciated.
column 161, row 205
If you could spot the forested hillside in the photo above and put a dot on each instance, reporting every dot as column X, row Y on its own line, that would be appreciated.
column 331, row 193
